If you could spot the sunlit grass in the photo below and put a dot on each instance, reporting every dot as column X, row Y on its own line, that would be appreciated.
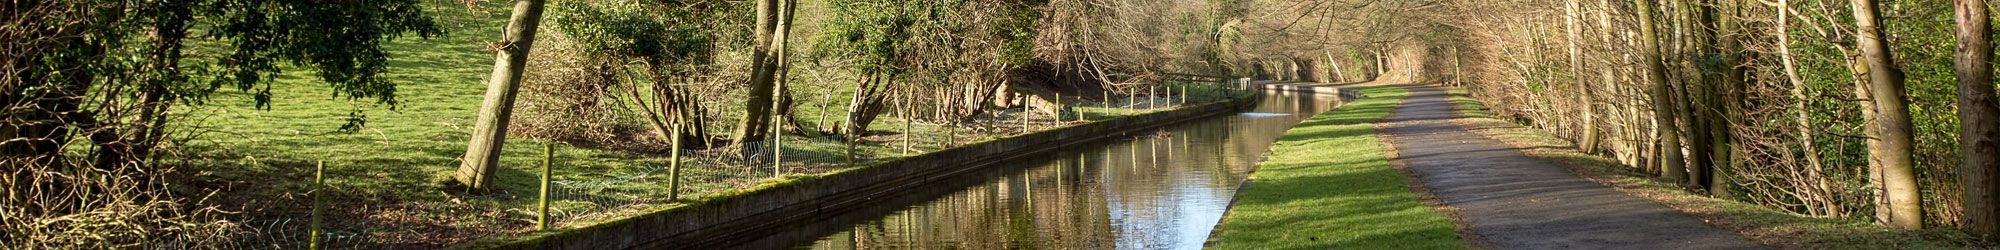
column 386, row 178
column 1328, row 185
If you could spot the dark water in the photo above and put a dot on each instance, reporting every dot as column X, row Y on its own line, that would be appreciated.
column 1165, row 189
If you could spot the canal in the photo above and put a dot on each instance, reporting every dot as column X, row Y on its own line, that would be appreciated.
column 1161, row 190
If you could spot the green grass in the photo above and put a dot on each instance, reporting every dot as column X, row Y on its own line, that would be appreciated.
column 1327, row 184
column 1765, row 225
column 385, row 179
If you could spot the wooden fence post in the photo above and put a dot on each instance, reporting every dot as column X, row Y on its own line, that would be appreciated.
column 906, row 132
column 674, row 163
column 1026, row 109
column 548, row 165
column 318, row 193
column 777, row 146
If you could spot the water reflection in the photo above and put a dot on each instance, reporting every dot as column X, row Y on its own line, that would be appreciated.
column 1165, row 189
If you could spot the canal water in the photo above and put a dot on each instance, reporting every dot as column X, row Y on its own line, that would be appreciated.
column 1160, row 190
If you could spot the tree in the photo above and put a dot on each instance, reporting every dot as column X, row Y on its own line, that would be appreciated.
column 1724, row 92
column 872, row 32
column 1802, row 112
column 489, row 133
column 1697, row 38
column 1664, row 105
column 1889, row 150
column 668, row 42
column 127, row 58
column 89, row 91
column 758, row 105
column 1573, row 31
column 1978, row 117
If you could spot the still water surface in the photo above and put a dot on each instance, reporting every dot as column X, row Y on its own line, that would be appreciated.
column 1160, row 190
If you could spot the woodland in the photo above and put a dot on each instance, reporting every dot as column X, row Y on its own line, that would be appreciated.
column 196, row 123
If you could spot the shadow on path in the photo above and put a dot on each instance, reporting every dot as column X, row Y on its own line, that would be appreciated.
column 1512, row 201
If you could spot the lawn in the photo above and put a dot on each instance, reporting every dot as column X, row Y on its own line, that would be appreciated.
column 1327, row 184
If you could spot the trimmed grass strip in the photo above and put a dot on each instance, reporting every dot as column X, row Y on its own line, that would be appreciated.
column 1328, row 185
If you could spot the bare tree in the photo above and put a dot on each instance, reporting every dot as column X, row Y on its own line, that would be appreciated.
column 1588, row 105
column 758, row 104
column 1664, row 104
column 1889, row 150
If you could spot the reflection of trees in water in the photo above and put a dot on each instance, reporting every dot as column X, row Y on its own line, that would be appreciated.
column 1123, row 192
column 1050, row 206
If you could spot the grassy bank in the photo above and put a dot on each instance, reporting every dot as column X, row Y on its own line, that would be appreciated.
column 384, row 179
column 1327, row 185
column 1764, row 225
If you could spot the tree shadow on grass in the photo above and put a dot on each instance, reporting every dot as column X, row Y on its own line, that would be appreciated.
column 1368, row 208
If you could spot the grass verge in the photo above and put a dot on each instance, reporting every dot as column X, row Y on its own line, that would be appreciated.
column 1327, row 185
column 1766, row 226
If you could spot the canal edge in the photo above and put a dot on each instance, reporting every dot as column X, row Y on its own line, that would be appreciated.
column 1343, row 96
column 714, row 219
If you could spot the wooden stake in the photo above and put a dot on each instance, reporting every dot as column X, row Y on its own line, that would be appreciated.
column 542, row 209
column 318, row 191
column 674, row 163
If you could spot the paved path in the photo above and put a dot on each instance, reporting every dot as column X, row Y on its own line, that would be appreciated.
column 1514, row 201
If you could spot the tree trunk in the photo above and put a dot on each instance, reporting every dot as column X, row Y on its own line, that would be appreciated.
column 1671, row 167
column 1697, row 37
column 1891, row 154
column 1588, row 144
column 1800, row 102
column 1457, row 72
column 863, row 106
column 1721, row 94
column 1608, row 75
column 1979, row 119
column 782, row 66
column 1381, row 61
column 489, row 132
column 1306, row 69
column 758, row 104
column 1335, row 72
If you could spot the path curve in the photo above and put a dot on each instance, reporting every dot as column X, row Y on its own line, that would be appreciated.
column 1513, row 201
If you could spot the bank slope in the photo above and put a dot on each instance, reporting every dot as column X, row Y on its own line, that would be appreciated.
column 1327, row 185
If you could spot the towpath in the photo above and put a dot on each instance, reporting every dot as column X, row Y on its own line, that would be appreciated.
column 1508, row 200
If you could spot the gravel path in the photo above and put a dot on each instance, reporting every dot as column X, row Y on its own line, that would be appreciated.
column 1513, row 201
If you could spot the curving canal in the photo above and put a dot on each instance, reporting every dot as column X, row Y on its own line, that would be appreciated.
column 1163, row 190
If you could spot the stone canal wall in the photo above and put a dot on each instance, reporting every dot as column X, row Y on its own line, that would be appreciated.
column 731, row 219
